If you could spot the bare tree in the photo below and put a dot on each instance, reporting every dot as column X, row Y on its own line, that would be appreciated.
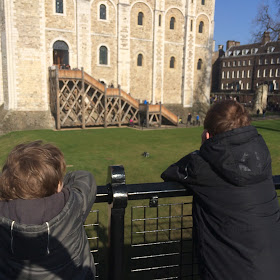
column 267, row 19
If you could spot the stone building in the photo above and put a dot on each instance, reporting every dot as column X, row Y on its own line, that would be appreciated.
column 243, row 68
column 156, row 50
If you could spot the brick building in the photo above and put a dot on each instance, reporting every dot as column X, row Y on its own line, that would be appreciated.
column 155, row 50
column 243, row 68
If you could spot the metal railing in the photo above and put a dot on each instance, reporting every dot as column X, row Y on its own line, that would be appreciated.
column 160, row 235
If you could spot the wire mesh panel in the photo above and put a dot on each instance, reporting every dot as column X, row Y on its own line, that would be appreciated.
column 92, row 230
column 161, row 241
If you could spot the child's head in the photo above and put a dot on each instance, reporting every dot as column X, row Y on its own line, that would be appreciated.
column 32, row 170
column 226, row 115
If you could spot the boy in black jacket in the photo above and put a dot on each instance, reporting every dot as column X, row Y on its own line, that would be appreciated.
column 42, row 215
column 236, row 218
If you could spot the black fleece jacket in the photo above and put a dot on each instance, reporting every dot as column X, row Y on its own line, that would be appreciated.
column 235, row 207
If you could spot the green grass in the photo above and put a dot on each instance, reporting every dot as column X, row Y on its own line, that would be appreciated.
column 96, row 149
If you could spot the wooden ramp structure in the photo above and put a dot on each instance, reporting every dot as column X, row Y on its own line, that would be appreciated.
column 79, row 100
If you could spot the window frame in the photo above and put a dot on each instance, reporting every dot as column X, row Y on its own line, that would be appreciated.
column 63, row 7
column 106, row 12
column 107, row 56
column 200, row 27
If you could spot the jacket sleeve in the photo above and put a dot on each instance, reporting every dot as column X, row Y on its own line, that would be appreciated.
column 182, row 171
column 84, row 183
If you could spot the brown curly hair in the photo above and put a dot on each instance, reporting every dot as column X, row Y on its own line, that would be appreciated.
column 32, row 170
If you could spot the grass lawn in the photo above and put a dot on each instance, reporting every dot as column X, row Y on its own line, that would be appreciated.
column 96, row 149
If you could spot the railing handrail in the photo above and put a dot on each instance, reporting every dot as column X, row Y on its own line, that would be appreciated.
column 160, row 189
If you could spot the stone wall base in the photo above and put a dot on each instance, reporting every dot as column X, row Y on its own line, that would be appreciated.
column 25, row 120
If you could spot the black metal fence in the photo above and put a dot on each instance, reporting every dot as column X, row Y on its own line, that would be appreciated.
column 152, row 241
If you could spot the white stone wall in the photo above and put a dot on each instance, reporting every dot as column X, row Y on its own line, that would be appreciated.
column 28, row 33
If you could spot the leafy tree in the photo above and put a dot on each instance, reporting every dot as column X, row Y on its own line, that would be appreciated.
column 267, row 19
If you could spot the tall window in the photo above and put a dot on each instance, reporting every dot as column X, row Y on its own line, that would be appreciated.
column 140, row 60
column 191, row 24
column 199, row 64
column 172, row 62
column 103, row 55
column 59, row 6
column 172, row 23
column 202, row 2
column 200, row 29
column 102, row 14
column 140, row 18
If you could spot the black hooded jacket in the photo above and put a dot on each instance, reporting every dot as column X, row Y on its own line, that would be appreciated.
column 235, row 207
column 45, row 238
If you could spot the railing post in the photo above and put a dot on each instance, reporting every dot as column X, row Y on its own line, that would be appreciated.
column 83, row 100
column 120, row 105
column 117, row 204
column 147, row 116
column 58, row 127
column 160, row 115
column 105, row 106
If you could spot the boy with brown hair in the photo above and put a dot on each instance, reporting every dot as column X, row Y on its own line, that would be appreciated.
column 236, row 217
column 42, row 215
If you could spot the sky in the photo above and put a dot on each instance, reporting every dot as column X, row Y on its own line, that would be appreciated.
column 234, row 20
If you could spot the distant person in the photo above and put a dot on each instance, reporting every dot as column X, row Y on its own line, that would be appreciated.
column 189, row 119
column 264, row 111
column 197, row 120
column 258, row 112
column 236, row 216
column 145, row 102
column 42, row 215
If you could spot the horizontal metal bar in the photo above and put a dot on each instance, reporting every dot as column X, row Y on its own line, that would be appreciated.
column 161, row 189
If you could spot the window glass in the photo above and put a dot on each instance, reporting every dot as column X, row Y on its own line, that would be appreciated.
column 199, row 64
column 140, row 60
column 102, row 11
column 172, row 62
column 103, row 55
column 202, row 2
column 140, row 18
column 59, row 6
column 200, row 29
column 172, row 23
column 159, row 20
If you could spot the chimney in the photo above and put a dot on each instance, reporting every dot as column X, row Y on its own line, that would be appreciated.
column 266, row 37
column 232, row 43
column 221, row 50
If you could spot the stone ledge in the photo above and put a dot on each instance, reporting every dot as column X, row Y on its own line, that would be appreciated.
column 23, row 120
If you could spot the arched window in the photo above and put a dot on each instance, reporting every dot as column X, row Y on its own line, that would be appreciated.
column 172, row 23
column 201, row 24
column 199, row 64
column 202, row 2
column 140, row 60
column 140, row 18
column 60, row 53
column 172, row 62
column 59, row 6
column 103, row 55
column 102, row 11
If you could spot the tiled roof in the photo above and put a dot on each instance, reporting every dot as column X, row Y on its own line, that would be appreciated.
column 262, row 49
